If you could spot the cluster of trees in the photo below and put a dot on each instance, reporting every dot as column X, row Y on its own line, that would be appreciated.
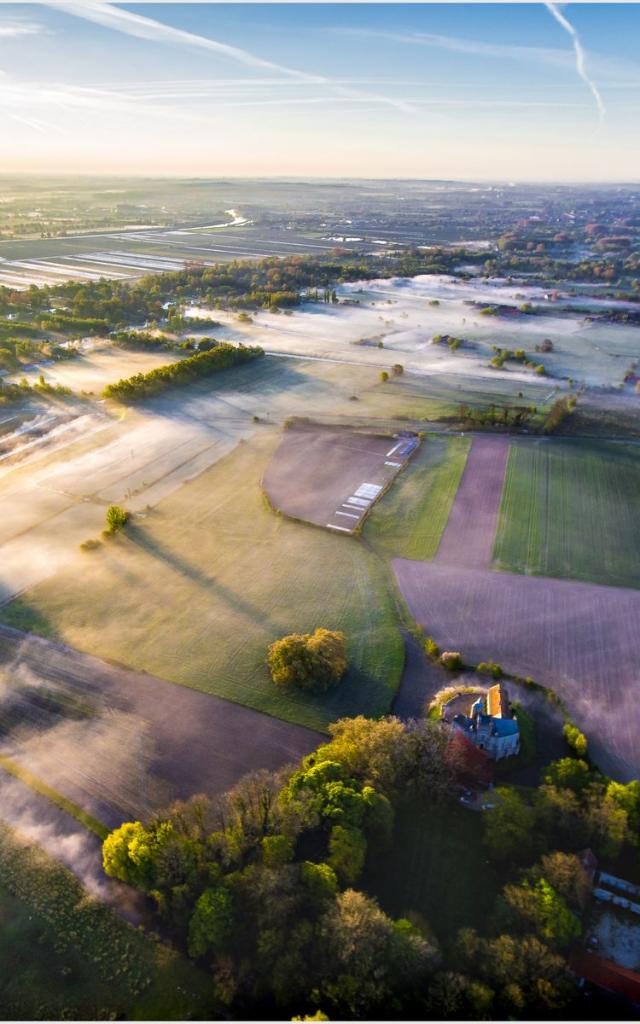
column 67, row 323
column 260, row 884
column 558, row 413
column 449, row 339
column 204, row 364
column 15, row 351
column 505, row 417
column 503, row 355
column 309, row 661
column 140, row 341
column 271, row 283
column 16, row 392
column 575, row 807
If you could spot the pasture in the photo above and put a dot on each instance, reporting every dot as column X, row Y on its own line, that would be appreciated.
column 333, row 478
column 395, row 321
column 579, row 639
column 197, row 588
column 61, row 473
column 570, row 509
column 408, row 521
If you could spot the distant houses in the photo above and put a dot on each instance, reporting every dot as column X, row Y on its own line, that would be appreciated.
column 491, row 726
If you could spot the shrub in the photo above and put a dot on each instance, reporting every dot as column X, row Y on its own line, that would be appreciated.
column 451, row 660
column 576, row 739
column 384, row 376
column 397, row 369
column 490, row 668
column 309, row 661
column 117, row 518
column 431, row 647
column 90, row 545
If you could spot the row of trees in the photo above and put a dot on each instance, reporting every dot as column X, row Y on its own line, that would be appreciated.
column 204, row 364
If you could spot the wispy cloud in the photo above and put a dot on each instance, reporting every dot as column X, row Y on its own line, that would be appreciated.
column 580, row 55
column 622, row 72
column 142, row 27
column 13, row 29
column 474, row 47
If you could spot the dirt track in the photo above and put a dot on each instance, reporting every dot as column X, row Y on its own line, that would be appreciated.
column 121, row 743
column 578, row 638
column 468, row 536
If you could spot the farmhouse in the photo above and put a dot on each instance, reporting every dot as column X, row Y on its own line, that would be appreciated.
column 492, row 726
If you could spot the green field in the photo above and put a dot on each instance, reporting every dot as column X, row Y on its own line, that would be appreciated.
column 437, row 867
column 410, row 518
column 570, row 509
column 66, row 956
column 195, row 591
column 440, row 396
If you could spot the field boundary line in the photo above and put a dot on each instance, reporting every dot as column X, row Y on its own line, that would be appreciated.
column 27, row 777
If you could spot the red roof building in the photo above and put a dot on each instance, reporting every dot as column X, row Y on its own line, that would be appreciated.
column 606, row 974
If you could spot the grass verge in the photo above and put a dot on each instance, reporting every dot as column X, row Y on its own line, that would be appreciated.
column 38, row 786
column 408, row 521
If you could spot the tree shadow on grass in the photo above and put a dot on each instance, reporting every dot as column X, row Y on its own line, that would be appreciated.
column 208, row 583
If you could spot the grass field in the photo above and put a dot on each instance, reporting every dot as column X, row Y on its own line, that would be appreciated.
column 195, row 591
column 437, row 867
column 67, row 956
column 570, row 510
column 408, row 521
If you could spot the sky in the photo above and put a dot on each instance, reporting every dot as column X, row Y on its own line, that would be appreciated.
column 458, row 91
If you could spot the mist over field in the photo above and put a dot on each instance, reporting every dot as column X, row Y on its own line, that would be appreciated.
column 319, row 479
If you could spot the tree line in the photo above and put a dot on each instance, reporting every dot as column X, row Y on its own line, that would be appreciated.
column 203, row 364
column 75, row 306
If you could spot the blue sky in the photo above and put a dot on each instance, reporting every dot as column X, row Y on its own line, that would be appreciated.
column 500, row 91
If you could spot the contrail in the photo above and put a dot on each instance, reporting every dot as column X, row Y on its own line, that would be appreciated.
column 581, row 62
column 148, row 28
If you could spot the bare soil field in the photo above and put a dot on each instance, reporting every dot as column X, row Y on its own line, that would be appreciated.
column 468, row 536
column 579, row 639
column 333, row 477
column 122, row 744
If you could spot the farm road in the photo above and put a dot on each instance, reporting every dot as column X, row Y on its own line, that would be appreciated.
column 121, row 743
column 580, row 639
column 468, row 536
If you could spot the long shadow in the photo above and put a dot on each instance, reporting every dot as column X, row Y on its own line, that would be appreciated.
column 175, row 402
column 180, row 565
